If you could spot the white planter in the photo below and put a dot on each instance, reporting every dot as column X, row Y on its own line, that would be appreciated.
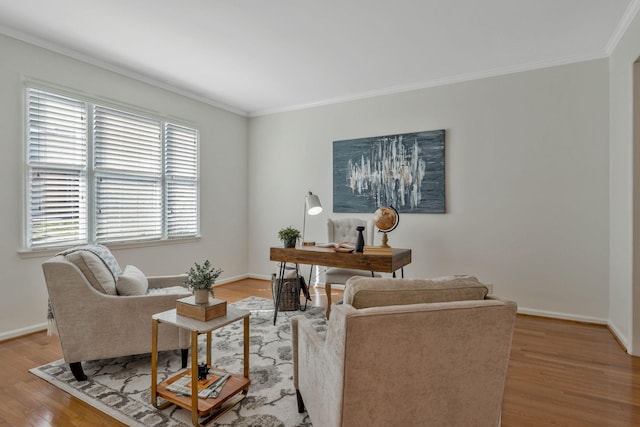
column 202, row 296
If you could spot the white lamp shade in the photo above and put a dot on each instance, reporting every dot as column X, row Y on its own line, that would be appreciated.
column 313, row 204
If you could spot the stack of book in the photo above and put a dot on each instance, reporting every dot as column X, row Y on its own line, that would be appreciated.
column 377, row 250
column 208, row 388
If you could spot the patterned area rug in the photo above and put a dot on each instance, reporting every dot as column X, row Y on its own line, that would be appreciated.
column 121, row 387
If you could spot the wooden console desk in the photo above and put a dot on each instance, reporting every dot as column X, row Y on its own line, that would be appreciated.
column 314, row 255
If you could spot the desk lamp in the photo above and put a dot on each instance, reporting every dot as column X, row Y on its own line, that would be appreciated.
column 312, row 206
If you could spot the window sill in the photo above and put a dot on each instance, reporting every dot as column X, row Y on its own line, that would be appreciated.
column 49, row 252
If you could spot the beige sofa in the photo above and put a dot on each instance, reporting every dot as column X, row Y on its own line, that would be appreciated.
column 101, row 311
column 406, row 352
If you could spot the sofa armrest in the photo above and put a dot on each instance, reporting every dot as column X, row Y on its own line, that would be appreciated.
column 319, row 364
column 167, row 281
column 294, row 345
column 301, row 326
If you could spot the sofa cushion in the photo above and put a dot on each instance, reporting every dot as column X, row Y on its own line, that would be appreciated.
column 363, row 292
column 94, row 270
column 132, row 281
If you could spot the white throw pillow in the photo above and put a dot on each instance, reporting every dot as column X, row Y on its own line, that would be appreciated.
column 132, row 281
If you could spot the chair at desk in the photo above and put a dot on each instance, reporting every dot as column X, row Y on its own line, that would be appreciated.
column 344, row 230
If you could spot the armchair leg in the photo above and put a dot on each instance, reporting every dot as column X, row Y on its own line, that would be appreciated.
column 300, row 402
column 185, row 356
column 76, row 370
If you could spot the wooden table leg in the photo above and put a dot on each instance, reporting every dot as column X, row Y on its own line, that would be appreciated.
column 327, row 290
column 154, row 362
column 246, row 347
column 194, row 378
column 209, row 349
column 279, row 285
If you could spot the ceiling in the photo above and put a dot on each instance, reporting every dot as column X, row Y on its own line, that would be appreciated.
column 260, row 56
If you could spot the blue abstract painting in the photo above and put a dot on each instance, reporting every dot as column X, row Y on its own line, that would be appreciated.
column 405, row 171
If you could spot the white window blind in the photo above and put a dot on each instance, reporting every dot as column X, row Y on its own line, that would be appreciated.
column 56, row 164
column 128, row 209
column 143, row 173
column 128, row 173
column 181, row 171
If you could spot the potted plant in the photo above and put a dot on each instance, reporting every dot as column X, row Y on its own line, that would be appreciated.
column 289, row 236
column 201, row 279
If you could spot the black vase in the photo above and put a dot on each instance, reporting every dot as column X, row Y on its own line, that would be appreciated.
column 360, row 241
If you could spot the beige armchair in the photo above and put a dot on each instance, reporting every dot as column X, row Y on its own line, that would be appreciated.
column 406, row 352
column 103, row 312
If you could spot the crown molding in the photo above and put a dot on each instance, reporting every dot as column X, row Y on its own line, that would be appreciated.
column 628, row 17
column 54, row 47
column 496, row 72
column 626, row 20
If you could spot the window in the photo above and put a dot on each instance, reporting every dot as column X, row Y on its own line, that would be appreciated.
column 103, row 174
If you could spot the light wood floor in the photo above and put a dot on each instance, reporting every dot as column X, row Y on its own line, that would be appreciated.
column 560, row 374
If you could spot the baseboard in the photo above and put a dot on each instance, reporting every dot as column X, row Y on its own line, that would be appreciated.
column 43, row 326
column 563, row 316
column 23, row 331
column 232, row 279
column 259, row 276
column 522, row 310
column 619, row 337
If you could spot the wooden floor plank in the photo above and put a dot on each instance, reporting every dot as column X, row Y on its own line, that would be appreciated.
column 561, row 373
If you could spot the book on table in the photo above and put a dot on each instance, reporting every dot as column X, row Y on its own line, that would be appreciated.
column 339, row 245
column 209, row 387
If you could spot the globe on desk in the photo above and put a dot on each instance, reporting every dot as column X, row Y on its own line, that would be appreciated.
column 386, row 219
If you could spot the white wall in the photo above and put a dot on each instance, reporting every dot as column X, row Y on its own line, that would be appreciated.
column 526, row 172
column 624, row 280
column 527, row 183
column 223, row 138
